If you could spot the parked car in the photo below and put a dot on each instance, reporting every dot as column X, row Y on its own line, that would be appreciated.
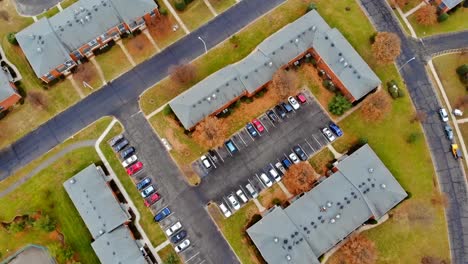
column 231, row 147
column 328, row 134
column 122, row 144
column 227, row 213
column 293, row 102
column 242, row 196
column 266, row 180
column 134, row 168
column 287, row 163
column 287, row 107
column 300, row 152
column 274, row 174
column 293, row 158
column 336, row 129
column 232, row 199
column 273, row 117
column 205, row 161
column 148, row 191
column 280, row 111
column 152, row 199
column 443, row 114
column 251, row 129
column 116, row 140
column 448, row 132
column 162, row 214
column 182, row 246
column 280, row 167
column 251, row 190
column 171, row 230
column 143, row 183
column 129, row 161
column 301, row 98
column 258, row 125
column 127, row 152
column 457, row 112
column 178, row 237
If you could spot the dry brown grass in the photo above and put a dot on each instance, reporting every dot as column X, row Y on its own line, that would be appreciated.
column 267, row 197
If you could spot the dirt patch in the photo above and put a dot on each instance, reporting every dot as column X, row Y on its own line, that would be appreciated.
column 414, row 212
column 321, row 161
column 272, row 196
column 85, row 72
column 161, row 26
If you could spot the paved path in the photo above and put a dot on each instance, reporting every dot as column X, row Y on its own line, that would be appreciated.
column 450, row 175
column 176, row 16
column 47, row 163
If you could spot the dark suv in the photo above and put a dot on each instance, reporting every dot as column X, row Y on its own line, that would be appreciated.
column 280, row 111
column 299, row 152
column 121, row 145
column 178, row 237
column 273, row 117
column 127, row 152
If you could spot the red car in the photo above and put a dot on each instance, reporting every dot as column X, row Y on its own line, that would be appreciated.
column 152, row 199
column 134, row 168
column 301, row 98
column 258, row 125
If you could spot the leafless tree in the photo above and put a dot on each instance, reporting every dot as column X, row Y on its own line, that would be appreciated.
column 376, row 106
column 211, row 131
column 359, row 250
column 426, row 15
column 300, row 178
column 38, row 99
column 183, row 73
column 284, row 82
column 386, row 47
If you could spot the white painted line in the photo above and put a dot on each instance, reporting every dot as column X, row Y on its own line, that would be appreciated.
column 219, row 155
column 251, row 136
column 264, row 186
column 260, row 120
column 270, row 121
column 317, row 140
column 202, row 261
column 239, row 134
column 309, row 145
column 196, row 254
column 303, row 149
column 326, row 139
column 212, row 161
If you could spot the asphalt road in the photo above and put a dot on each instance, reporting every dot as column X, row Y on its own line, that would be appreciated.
column 423, row 95
column 120, row 97
column 34, row 7
column 302, row 127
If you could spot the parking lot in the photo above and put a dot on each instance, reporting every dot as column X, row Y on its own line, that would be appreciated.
column 231, row 172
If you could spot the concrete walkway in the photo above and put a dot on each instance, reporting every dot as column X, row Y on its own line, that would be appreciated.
column 162, row 245
column 47, row 163
column 156, row 111
column 125, row 51
column 414, row 9
column 461, row 121
column 333, row 150
column 447, row 103
column 210, row 7
column 408, row 24
column 75, row 86
column 99, row 70
column 59, row 6
column 151, row 39
column 124, row 192
column 176, row 16
column 260, row 207
column 285, row 190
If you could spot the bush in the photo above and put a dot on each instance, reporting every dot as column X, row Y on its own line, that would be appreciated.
column 163, row 11
column 12, row 38
column 188, row 1
column 442, row 17
column 465, row 4
column 394, row 90
column 180, row 5
column 313, row 61
column 372, row 38
column 276, row 201
column 338, row 105
column 171, row 259
column 16, row 227
column 45, row 223
column 371, row 222
column 246, row 99
column 413, row 137
column 61, row 253
column 462, row 72
column 260, row 94
column 167, row 110
column 311, row 7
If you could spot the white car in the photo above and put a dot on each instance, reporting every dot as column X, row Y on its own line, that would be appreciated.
column 182, row 246
column 293, row 158
column 293, row 102
column 242, row 196
column 328, row 134
column 275, row 175
column 280, row 167
column 227, row 213
column 443, row 115
column 129, row 161
column 266, row 180
column 171, row 230
column 235, row 204
column 205, row 162
column 251, row 190
column 146, row 192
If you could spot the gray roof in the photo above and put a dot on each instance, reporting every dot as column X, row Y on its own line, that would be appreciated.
column 309, row 31
column 95, row 201
column 118, row 247
column 451, row 3
column 361, row 188
column 55, row 38
column 5, row 86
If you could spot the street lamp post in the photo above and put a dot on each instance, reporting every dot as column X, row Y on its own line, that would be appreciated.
column 204, row 44
column 406, row 63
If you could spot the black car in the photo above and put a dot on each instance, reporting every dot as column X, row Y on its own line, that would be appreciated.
column 116, row 140
column 252, row 131
column 121, row 145
column 178, row 237
column 273, row 117
column 299, row 152
column 127, row 152
column 280, row 111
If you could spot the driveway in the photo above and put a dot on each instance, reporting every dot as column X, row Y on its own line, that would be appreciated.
column 34, row 7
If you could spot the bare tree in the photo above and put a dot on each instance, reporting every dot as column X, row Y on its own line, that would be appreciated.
column 461, row 102
column 401, row 3
column 37, row 99
column 426, row 15
column 4, row 15
column 433, row 260
column 386, row 47
column 183, row 73
column 359, row 250
column 211, row 131
column 376, row 106
column 84, row 73
column 284, row 82
column 300, row 178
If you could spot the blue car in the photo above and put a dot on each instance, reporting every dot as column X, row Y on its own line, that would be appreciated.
column 287, row 107
column 287, row 163
column 143, row 183
column 161, row 215
column 336, row 129
column 252, row 131
column 231, row 147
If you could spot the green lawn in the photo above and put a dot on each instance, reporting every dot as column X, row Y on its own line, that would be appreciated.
column 456, row 22
column 152, row 229
column 67, row 3
column 44, row 193
column 167, row 253
column 195, row 15
column 222, row 5
column 113, row 62
column 49, row 13
column 446, row 66
column 410, row 5
column 320, row 161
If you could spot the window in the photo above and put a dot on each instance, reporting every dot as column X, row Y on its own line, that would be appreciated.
column 77, row 54
column 93, row 43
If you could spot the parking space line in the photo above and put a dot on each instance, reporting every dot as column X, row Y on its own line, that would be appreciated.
column 202, row 261
column 196, row 254
column 239, row 134
column 212, row 161
column 258, row 178
column 251, row 136
column 308, row 155
column 317, row 140
column 219, row 155
column 309, row 145
column 326, row 139
column 260, row 120
column 270, row 121
column 234, row 143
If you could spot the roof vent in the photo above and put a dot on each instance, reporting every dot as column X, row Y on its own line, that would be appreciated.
column 341, row 59
column 296, row 40
column 208, row 99
column 282, row 47
column 333, row 45
column 332, row 221
column 72, row 181
column 39, row 50
column 285, row 241
column 338, row 216
column 270, row 64
column 101, row 231
column 345, row 64
column 326, row 37
column 329, row 204
column 323, row 208
column 371, row 170
column 108, row 243
column 214, row 96
column 32, row 36
column 288, row 258
column 359, row 76
column 275, row 240
column 314, row 28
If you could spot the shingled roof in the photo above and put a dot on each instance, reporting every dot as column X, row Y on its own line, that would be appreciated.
column 6, row 90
